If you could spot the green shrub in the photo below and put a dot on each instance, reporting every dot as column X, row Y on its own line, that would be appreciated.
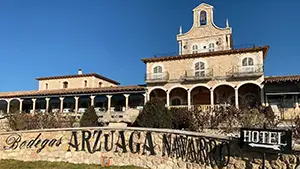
column 89, row 118
column 154, row 115
column 25, row 121
column 182, row 118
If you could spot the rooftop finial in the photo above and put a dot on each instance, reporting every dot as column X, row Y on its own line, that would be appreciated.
column 180, row 30
column 227, row 23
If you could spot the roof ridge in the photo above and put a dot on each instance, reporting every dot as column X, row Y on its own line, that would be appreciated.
column 265, row 49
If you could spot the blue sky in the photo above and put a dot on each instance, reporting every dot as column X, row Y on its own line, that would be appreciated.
column 56, row 37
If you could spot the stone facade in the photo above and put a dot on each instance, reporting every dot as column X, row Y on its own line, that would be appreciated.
column 207, row 59
column 205, row 36
column 74, row 83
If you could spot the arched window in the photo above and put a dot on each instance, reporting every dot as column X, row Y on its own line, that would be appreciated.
column 100, row 84
column 176, row 101
column 85, row 83
column 157, row 72
column 200, row 69
column 247, row 65
column 247, row 62
column 211, row 47
column 195, row 49
column 46, row 86
column 203, row 18
column 65, row 85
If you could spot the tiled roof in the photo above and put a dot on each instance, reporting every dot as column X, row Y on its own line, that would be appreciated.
column 274, row 79
column 82, row 75
column 72, row 91
column 209, row 54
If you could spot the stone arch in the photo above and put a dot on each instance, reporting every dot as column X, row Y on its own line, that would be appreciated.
column 250, row 93
column 158, row 93
column 222, row 84
column 178, row 92
column 177, row 86
column 3, row 107
column 250, row 82
column 200, row 85
column 157, row 87
column 223, row 93
column 200, row 95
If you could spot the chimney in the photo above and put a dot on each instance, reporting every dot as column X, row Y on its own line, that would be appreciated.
column 79, row 71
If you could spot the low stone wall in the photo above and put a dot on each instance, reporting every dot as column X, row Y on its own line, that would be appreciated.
column 149, row 148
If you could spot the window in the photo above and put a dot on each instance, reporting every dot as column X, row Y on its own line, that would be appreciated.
column 203, row 19
column 211, row 47
column 194, row 49
column 247, row 65
column 100, row 84
column 157, row 72
column 65, row 85
column 199, row 69
column 176, row 101
column 46, row 86
column 85, row 83
column 247, row 61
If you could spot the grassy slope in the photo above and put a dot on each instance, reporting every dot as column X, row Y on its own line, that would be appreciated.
column 14, row 164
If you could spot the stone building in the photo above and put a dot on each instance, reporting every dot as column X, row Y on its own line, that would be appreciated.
column 208, row 70
column 73, row 94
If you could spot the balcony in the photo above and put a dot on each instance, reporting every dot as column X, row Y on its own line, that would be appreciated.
column 247, row 71
column 192, row 75
column 157, row 77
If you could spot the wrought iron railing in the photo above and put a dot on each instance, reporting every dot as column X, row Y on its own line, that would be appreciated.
column 198, row 74
column 164, row 76
column 246, row 70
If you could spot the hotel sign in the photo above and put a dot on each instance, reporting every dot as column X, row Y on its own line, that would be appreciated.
column 265, row 140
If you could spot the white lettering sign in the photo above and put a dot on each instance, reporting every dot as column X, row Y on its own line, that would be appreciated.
column 263, row 137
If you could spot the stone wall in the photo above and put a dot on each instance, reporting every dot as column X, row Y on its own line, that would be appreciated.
column 149, row 148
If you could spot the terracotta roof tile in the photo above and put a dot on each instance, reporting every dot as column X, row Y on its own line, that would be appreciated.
column 82, row 75
column 275, row 79
column 209, row 54
column 72, row 91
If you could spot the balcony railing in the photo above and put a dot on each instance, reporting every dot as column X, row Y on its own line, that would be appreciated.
column 204, row 74
column 247, row 71
column 157, row 77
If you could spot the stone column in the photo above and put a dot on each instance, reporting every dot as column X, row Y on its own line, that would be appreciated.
column 168, row 99
column 236, row 91
column 262, row 96
column 180, row 47
column 76, row 104
column 296, row 102
column 33, row 105
column 61, row 104
column 145, row 98
column 126, row 101
column 47, row 104
column 21, row 105
column 266, row 99
column 92, row 100
column 189, row 99
column 109, row 102
column 212, row 97
column 8, row 105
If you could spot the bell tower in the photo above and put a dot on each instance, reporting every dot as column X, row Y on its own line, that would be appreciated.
column 204, row 36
